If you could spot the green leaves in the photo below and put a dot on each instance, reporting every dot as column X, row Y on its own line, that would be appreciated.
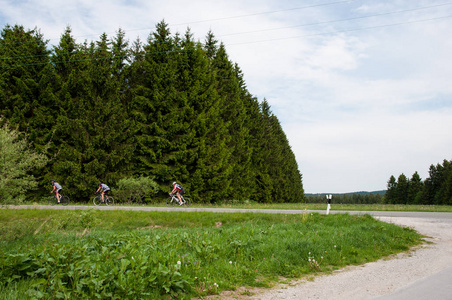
column 117, row 267
column 17, row 161
column 135, row 189
column 171, row 109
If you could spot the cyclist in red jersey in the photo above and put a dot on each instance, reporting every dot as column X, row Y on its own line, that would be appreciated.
column 178, row 189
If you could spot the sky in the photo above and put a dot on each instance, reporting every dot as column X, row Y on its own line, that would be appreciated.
column 362, row 88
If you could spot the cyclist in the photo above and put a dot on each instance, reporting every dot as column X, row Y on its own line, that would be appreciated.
column 179, row 190
column 105, row 189
column 57, row 188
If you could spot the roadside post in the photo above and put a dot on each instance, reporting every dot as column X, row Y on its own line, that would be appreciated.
column 328, row 201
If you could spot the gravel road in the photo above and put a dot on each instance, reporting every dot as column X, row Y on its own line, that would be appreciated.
column 382, row 277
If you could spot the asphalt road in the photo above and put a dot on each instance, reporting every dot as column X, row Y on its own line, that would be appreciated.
column 423, row 215
column 437, row 286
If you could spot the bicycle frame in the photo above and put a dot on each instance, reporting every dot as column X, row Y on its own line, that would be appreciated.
column 173, row 200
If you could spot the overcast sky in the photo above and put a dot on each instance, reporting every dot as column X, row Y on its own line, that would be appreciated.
column 363, row 89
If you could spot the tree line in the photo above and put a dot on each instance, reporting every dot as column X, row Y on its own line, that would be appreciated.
column 169, row 108
column 348, row 198
column 435, row 190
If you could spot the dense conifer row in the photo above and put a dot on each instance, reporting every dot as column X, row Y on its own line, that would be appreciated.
column 435, row 190
column 169, row 108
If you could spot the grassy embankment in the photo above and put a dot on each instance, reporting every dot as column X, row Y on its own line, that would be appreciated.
column 92, row 254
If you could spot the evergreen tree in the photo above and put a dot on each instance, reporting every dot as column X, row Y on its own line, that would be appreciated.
column 280, row 163
column 391, row 192
column 208, row 153
column 234, row 114
column 415, row 187
column 172, row 109
column 92, row 126
column 24, row 65
column 402, row 189
column 210, row 45
column 443, row 180
column 156, row 105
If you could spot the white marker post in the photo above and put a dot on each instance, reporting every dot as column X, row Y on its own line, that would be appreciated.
column 328, row 200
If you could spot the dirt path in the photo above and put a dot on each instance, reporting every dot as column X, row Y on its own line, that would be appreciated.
column 381, row 277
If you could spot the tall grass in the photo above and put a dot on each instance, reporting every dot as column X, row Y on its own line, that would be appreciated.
column 154, row 255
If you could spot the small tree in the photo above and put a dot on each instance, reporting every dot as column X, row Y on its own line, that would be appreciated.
column 17, row 161
column 135, row 189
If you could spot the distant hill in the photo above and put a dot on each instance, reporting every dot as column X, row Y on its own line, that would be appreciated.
column 382, row 192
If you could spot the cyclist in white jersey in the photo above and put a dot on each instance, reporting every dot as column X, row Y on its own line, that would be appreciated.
column 57, row 188
column 105, row 189
column 178, row 189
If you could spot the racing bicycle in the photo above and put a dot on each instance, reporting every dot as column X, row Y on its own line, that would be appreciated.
column 108, row 200
column 64, row 200
column 174, row 201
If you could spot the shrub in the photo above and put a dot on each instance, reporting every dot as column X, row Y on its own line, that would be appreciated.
column 135, row 189
column 17, row 161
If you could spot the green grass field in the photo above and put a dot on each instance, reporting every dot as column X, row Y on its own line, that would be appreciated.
column 297, row 206
column 93, row 254
column 341, row 207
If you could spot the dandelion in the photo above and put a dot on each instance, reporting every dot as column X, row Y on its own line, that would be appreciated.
column 230, row 262
column 334, row 246
column 178, row 262
column 216, row 285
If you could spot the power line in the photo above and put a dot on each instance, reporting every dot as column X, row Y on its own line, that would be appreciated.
column 294, row 26
column 277, row 11
column 345, row 30
column 244, row 43
column 236, row 17
column 265, row 13
column 341, row 20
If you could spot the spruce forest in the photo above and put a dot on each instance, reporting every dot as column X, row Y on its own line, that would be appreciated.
column 435, row 190
column 169, row 108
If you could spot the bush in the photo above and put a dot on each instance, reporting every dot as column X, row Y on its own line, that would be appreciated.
column 135, row 189
column 17, row 161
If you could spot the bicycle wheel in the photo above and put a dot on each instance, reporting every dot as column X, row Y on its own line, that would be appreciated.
column 64, row 200
column 97, row 200
column 187, row 202
column 52, row 200
column 170, row 201
column 109, row 201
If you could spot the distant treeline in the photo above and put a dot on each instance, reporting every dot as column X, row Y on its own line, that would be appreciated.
column 348, row 198
column 435, row 190
column 169, row 108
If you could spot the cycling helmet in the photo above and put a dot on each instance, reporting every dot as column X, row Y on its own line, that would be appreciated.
column 174, row 182
column 53, row 180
